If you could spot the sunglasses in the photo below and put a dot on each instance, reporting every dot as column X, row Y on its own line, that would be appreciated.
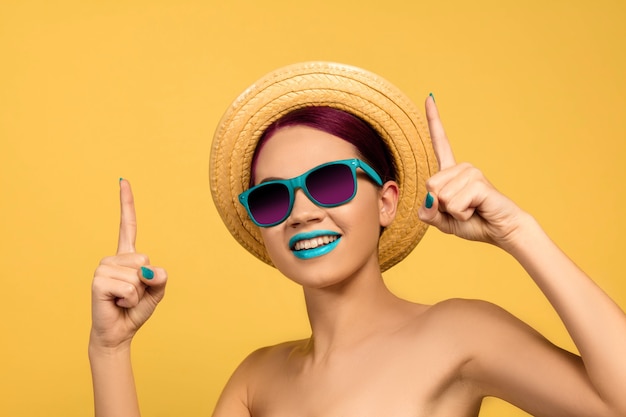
column 327, row 185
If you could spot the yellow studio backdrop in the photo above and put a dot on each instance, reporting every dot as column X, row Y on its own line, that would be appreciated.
column 533, row 93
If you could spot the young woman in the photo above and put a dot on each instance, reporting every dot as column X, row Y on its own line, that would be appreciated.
column 322, row 170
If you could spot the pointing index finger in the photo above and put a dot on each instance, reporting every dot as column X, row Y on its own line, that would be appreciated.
column 128, row 220
column 441, row 145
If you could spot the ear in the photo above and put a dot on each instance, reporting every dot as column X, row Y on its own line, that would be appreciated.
column 388, row 203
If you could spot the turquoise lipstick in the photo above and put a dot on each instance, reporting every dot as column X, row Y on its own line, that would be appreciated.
column 313, row 244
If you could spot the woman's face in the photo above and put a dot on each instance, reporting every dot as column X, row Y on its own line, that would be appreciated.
column 355, row 225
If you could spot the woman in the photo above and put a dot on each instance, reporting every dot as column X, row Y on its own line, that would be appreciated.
column 332, row 209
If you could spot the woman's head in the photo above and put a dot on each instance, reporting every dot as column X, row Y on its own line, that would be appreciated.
column 368, row 143
column 324, row 84
column 314, row 232
column 345, row 172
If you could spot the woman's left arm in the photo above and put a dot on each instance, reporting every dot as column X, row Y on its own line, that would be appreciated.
column 466, row 204
column 595, row 322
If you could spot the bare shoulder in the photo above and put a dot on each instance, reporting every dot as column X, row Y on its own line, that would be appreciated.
column 271, row 356
column 468, row 315
column 463, row 306
column 474, row 315
column 482, row 327
column 483, row 334
column 235, row 399
column 264, row 361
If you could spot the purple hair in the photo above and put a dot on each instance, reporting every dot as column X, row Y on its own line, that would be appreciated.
column 370, row 146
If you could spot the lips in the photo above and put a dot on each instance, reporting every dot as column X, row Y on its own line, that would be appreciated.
column 314, row 244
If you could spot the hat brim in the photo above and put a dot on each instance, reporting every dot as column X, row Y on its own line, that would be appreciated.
column 354, row 90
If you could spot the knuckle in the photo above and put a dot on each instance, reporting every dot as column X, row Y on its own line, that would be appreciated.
column 464, row 215
column 476, row 173
column 98, row 284
column 101, row 272
column 445, row 197
column 138, row 259
column 127, row 291
column 473, row 172
column 453, row 210
column 143, row 259
column 429, row 183
column 108, row 260
column 132, row 259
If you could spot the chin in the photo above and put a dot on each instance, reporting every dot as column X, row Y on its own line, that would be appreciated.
column 321, row 275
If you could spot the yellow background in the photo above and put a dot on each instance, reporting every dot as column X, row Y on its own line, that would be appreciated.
column 533, row 92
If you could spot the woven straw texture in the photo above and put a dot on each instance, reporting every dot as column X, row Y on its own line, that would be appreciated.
column 348, row 88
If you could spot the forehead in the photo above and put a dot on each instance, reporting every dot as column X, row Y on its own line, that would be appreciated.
column 295, row 149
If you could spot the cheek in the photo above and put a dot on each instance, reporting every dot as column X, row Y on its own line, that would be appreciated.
column 360, row 218
column 270, row 238
column 273, row 239
column 367, row 199
column 278, row 252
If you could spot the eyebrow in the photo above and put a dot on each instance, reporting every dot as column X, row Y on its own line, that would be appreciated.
column 268, row 179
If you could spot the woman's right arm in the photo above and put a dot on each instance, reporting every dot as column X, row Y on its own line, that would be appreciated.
column 125, row 291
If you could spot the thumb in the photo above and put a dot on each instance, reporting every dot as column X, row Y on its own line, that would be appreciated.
column 155, row 279
column 429, row 213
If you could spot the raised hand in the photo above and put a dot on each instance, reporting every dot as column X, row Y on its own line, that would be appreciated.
column 126, row 288
column 462, row 201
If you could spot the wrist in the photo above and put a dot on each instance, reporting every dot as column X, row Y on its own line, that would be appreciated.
column 99, row 347
column 522, row 236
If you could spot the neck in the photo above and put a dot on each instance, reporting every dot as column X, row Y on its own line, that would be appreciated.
column 350, row 312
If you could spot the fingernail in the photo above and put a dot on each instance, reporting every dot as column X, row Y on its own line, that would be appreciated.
column 429, row 200
column 147, row 273
column 433, row 97
column 121, row 179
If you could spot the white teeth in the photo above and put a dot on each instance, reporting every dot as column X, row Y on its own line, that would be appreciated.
column 314, row 243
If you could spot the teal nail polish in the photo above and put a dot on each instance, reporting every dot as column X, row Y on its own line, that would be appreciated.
column 433, row 97
column 429, row 200
column 147, row 273
column 121, row 179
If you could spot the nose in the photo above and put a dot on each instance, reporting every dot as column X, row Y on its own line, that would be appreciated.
column 304, row 211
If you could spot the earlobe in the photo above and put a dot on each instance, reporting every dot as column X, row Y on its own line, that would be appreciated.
column 388, row 203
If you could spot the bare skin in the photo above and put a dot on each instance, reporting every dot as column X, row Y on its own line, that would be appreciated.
column 372, row 353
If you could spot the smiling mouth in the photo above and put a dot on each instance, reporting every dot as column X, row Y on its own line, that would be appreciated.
column 314, row 243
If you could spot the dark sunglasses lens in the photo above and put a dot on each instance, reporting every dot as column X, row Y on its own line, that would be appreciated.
column 269, row 204
column 331, row 185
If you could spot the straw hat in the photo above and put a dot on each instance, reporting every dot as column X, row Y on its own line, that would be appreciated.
column 344, row 87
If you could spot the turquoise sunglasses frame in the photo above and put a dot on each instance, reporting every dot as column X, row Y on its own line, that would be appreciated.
column 299, row 182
